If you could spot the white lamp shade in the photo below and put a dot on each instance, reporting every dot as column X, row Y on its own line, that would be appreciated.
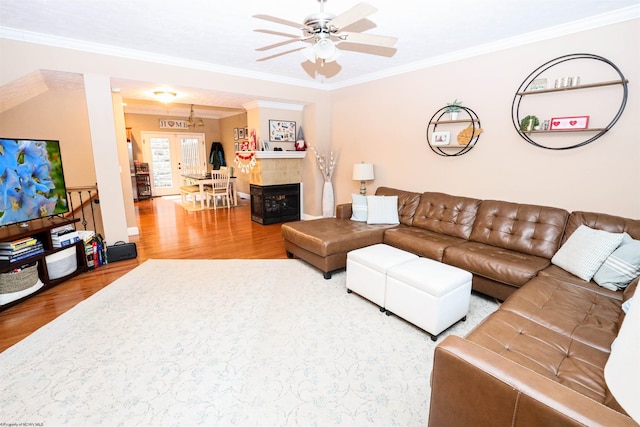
column 363, row 172
column 325, row 49
column 310, row 54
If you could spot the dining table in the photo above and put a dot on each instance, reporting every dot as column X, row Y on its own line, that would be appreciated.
column 201, row 180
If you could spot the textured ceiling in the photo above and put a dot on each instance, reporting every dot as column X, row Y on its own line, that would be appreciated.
column 221, row 33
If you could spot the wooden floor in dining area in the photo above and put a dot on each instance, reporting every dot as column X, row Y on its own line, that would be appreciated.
column 167, row 231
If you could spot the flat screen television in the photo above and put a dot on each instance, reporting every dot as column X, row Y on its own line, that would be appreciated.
column 31, row 180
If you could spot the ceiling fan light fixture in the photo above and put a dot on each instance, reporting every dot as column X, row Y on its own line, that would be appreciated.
column 310, row 54
column 324, row 49
column 165, row 96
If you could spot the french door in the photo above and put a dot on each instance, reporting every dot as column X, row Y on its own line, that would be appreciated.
column 170, row 155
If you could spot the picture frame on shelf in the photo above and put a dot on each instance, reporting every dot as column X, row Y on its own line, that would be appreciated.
column 569, row 123
column 237, row 146
column 538, row 84
column 240, row 133
column 282, row 131
column 235, row 134
column 441, row 138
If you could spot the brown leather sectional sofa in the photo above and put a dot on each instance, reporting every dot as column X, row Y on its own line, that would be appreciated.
column 537, row 361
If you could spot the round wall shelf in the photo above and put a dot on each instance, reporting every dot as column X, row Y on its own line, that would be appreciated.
column 526, row 89
column 439, row 139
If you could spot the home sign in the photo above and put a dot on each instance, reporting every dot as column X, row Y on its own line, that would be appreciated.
column 174, row 124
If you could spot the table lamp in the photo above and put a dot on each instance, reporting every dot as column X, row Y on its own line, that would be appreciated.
column 363, row 172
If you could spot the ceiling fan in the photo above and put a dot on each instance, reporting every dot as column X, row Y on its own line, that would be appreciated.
column 325, row 31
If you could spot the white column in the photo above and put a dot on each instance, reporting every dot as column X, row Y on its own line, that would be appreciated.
column 105, row 154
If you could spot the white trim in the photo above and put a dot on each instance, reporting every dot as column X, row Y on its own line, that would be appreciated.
column 625, row 14
column 620, row 15
column 281, row 154
column 84, row 46
column 270, row 104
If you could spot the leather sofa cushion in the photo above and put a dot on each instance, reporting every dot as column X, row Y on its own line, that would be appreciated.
column 329, row 236
column 446, row 214
column 558, row 273
column 549, row 353
column 530, row 229
column 407, row 202
column 574, row 311
column 420, row 242
column 501, row 265
column 598, row 221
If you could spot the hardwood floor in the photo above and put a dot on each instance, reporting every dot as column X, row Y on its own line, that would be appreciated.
column 167, row 231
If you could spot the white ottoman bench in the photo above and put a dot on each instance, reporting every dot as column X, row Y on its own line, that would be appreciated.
column 428, row 293
column 367, row 270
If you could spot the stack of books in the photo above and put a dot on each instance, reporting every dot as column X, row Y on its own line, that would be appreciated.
column 64, row 236
column 20, row 249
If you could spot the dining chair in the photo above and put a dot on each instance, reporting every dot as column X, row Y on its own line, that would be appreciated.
column 219, row 188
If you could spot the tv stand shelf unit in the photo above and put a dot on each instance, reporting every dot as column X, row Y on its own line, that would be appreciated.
column 41, row 230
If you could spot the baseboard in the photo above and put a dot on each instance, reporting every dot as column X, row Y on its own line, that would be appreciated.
column 132, row 231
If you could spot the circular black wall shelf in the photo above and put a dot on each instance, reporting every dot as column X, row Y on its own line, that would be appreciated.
column 522, row 92
column 449, row 150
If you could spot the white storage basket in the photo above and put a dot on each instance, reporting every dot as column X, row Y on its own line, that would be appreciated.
column 62, row 263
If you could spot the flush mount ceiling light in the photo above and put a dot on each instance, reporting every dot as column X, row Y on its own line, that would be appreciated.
column 192, row 121
column 324, row 30
column 165, row 96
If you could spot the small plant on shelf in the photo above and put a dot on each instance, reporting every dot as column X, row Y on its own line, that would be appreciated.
column 453, row 108
column 529, row 123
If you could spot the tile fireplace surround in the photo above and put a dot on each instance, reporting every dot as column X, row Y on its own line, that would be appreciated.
column 273, row 171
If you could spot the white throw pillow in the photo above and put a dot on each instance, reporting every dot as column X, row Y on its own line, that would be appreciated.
column 585, row 251
column 359, row 208
column 382, row 210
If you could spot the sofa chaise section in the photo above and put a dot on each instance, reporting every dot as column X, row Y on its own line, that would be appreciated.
column 325, row 242
column 538, row 360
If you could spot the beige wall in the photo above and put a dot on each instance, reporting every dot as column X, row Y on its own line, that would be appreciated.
column 151, row 123
column 227, row 125
column 384, row 122
column 59, row 115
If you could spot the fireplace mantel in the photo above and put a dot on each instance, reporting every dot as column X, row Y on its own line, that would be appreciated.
column 281, row 154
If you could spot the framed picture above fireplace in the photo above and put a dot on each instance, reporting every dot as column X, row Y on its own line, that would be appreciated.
column 282, row 131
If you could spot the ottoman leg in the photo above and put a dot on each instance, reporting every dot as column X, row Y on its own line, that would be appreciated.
column 381, row 309
column 326, row 275
column 433, row 337
column 289, row 255
column 388, row 313
column 464, row 319
column 349, row 291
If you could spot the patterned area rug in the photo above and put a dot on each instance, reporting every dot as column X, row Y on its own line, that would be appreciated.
column 224, row 342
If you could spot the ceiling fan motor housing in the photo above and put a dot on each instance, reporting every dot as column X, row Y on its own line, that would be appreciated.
column 317, row 24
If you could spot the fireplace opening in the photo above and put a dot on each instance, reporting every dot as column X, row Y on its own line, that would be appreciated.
column 271, row 204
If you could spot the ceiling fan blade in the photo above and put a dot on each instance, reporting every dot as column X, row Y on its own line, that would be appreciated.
column 271, row 46
column 277, row 33
column 356, row 13
column 280, row 21
column 371, row 39
column 280, row 54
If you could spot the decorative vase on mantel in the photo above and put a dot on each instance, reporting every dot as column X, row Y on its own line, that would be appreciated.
column 327, row 199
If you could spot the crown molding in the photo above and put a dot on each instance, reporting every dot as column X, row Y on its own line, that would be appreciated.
column 84, row 46
column 621, row 15
column 270, row 104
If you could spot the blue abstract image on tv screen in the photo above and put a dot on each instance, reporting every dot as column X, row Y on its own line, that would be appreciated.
column 31, row 180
